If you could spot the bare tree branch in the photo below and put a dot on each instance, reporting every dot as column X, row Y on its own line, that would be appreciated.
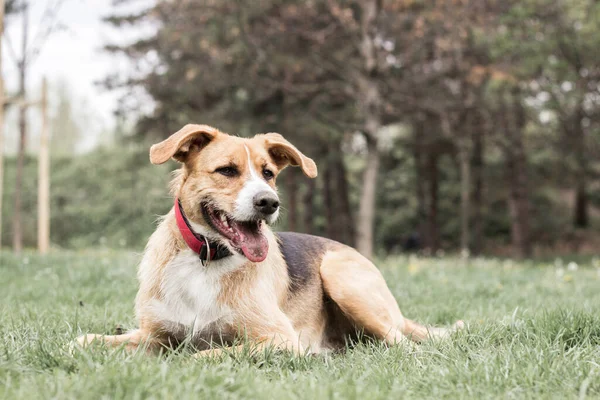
column 11, row 50
column 48, row 25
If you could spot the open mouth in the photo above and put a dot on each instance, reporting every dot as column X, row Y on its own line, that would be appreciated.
column 245, row 236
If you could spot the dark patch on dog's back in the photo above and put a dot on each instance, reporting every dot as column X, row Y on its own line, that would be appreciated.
column 303, row 254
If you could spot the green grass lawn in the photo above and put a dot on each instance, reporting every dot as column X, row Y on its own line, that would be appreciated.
column 534, row 332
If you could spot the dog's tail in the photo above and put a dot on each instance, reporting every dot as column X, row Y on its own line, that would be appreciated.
column 419, row 333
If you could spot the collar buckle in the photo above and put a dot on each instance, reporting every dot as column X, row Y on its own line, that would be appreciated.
column 205, row 255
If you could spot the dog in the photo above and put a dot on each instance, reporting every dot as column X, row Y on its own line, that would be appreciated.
column 214, row 272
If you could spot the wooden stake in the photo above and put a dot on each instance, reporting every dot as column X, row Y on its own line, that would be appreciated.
column 44, row 177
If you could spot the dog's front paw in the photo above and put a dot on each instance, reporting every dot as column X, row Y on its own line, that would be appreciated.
column 86, row 340
column 458, row 325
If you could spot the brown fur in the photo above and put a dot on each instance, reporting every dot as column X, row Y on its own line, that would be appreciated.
column 314, row 300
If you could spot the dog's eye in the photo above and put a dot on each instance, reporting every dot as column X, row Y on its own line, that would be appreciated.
column 227, row 171
column 268, row 174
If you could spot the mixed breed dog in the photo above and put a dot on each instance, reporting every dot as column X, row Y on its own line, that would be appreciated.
column 214, row 273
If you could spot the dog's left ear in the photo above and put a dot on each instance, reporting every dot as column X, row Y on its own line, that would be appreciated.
column 284, row 154
column 180, row 144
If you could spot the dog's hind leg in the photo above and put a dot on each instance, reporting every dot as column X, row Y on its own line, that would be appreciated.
column 360, row 291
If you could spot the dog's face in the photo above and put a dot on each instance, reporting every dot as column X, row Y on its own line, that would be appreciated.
column 228, row 183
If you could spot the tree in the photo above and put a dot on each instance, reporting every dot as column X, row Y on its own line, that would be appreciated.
column 371, row 104
column 231, row 70
column 333, row 75
column 558, row 53
column 22, row 65
column 573, row 34
column 514, row 118
column 30, row 50
column 3, row 9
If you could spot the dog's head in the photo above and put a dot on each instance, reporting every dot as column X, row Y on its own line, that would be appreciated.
column 227, row 183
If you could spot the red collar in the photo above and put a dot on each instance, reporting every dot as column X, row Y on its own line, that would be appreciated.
column 206, row 250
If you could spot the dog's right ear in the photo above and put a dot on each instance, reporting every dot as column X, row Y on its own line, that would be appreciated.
column 180, row 144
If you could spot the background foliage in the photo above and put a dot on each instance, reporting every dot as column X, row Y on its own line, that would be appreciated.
column 451, row 125
column 96, row 204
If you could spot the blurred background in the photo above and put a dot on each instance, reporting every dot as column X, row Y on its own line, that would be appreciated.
column 467, row 126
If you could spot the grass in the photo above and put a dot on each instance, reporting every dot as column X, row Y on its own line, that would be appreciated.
column 534, row 332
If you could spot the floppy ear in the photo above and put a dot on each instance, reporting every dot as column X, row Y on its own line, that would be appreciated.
column 284, row 153
column 181, row 143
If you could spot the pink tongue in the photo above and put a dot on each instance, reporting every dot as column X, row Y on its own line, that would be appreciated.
column 253, row 243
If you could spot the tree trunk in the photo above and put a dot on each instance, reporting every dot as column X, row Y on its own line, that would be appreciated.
column 581, row 218
column 292, row 202
column 419, row 156
column 518, row 205
column 44, row 177
column 516, row 171
column 342, row 199
column 1, row 118
column 309, row 212
column 370, row 101
column 17, row 227
column 478, row 149
column 465, row 194
column 366, row 214
column 433, row 236
column 580, row 213
column 330, row 227
column 17, row 223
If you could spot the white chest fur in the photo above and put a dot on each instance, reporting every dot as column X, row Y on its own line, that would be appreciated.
column 190, row 292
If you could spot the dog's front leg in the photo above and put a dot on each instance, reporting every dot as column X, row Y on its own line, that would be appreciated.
column 130, row 341
column 275, row 342
column 278, row 335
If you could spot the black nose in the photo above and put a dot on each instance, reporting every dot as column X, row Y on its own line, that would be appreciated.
column 266, row 203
